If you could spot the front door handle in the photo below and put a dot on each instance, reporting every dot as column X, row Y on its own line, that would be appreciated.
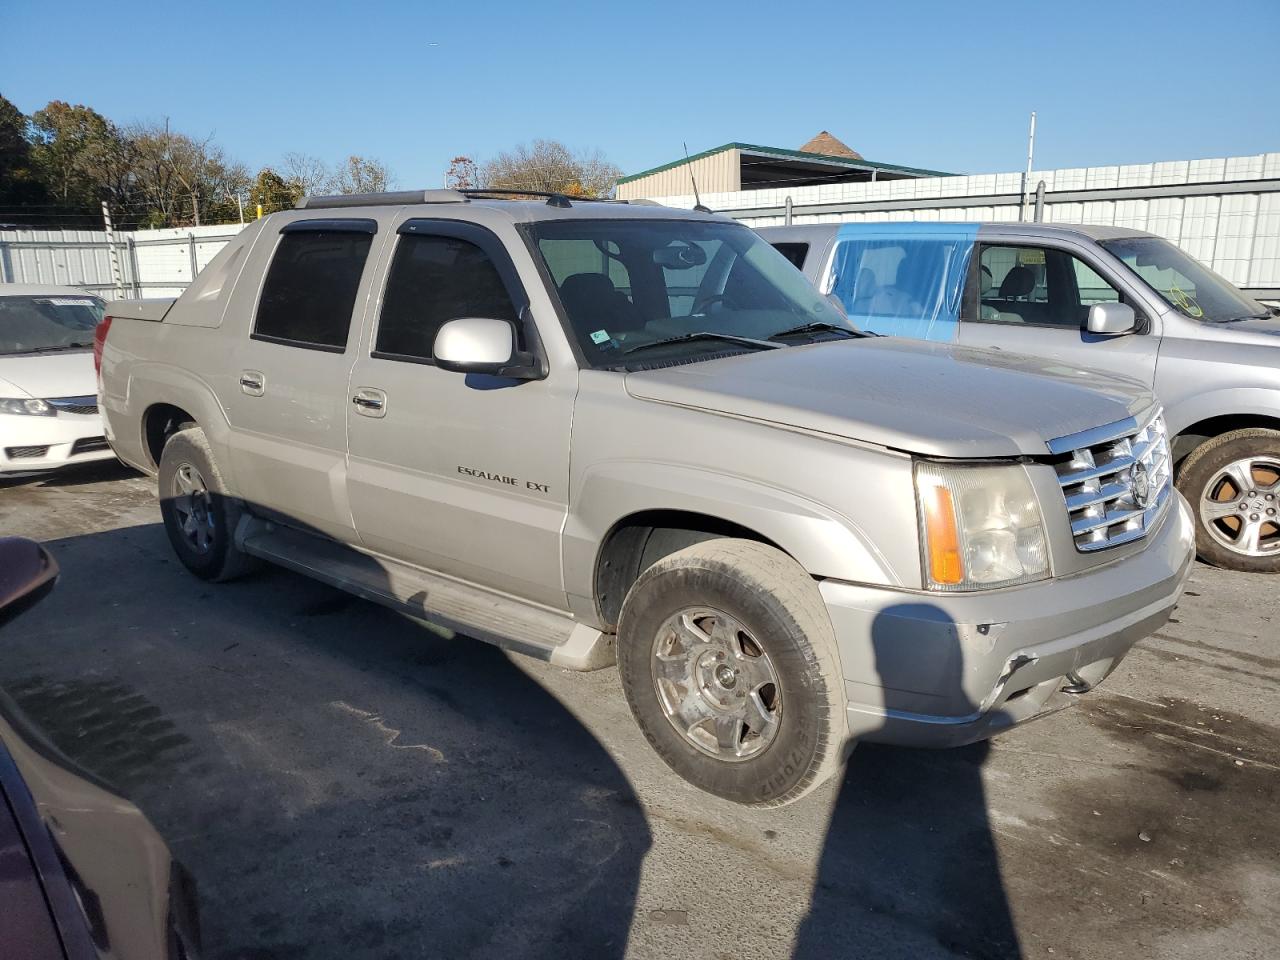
column 370, row 402
column 253, row 383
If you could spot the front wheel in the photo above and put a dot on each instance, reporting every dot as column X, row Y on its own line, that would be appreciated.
column 1233, row 484
column 729, row 663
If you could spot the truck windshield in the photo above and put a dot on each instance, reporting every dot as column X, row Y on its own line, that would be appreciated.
column 48, row 324
column 627, row 284
column 1186, row 285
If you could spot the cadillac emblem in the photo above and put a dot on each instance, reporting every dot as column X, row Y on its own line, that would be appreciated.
column 1140, row 484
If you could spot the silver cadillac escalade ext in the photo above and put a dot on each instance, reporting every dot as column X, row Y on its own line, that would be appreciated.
column 597, row 431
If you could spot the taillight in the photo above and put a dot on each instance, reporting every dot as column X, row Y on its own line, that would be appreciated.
column 99, row 341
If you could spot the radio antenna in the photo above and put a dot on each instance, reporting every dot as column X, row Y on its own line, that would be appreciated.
column 697, row 201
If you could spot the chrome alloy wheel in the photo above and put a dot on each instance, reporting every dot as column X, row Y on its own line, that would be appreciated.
column 193, row 506
column 1240, row 506
column 716, row 685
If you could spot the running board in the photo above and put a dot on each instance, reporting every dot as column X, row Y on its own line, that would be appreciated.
column 473, row 611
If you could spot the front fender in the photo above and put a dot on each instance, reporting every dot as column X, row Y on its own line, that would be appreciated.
column 824, row 542
column 1228, row 401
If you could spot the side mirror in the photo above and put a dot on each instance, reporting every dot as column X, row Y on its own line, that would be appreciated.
column 27, row 573
column 483, row 345
column 1111, row 319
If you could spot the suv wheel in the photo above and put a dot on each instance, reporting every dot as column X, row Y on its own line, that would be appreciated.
column 199, row 516
column 729, row 664
column 1233, row 484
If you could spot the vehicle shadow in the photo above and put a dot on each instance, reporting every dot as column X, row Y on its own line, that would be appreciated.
column 341, row 780
column 909, row 866
column 97, row 471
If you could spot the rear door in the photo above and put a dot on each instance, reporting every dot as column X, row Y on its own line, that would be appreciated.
column 1031, row 296
column 463, row 474
column 288, row 408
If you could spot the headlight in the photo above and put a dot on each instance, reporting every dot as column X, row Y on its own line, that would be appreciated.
column 26, row 406
column 980, row 526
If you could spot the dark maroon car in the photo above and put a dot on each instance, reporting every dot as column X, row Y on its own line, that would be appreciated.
column 83, row 875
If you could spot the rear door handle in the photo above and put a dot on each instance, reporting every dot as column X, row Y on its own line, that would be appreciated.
column 253, row 383
column 370, row 402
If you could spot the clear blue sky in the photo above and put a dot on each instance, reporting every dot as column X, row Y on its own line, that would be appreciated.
column 944, row 85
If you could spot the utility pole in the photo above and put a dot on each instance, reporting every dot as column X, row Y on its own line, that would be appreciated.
column 117, row 279
column 195, row 207
column 1026, row 177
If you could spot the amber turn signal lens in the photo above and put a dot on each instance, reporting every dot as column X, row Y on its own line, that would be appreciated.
column 942, row 536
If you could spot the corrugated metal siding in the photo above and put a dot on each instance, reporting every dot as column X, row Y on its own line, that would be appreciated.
column 1236, row 231
column 153, row 263
column 718, row 173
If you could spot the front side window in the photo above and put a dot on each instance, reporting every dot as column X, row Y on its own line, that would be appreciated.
column 435, row 279
column 1038, row 286
column 1185, row 284
column 310, row 289
column 638, row 283
column 47, row 324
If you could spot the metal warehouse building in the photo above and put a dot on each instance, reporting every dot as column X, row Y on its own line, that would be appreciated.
column 745, row 166
column 1223, row 211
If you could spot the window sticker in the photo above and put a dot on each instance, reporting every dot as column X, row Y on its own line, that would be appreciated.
column 66, row 301
column 1031, row 257
column 600, row 336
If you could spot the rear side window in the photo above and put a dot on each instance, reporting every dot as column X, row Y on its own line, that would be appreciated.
column 795, row 252
column 435, row 279
column 310, row 289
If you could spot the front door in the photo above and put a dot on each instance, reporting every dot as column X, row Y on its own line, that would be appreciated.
column 461, row 474
column 1034, row 299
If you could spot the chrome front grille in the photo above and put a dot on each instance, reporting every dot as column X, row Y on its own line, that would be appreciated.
column 81, row 405
column 1116, row 480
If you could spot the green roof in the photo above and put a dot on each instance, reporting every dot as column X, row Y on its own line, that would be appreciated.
column 789, row 154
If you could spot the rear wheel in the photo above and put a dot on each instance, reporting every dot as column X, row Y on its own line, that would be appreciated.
column 199, row 515
column 1233, row 484
column 729, row 664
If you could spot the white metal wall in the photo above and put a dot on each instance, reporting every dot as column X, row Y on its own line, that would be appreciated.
column 153, row 263
column 1235, row 228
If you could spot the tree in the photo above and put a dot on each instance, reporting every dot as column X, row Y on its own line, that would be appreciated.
column 362, row 175
column 273, row 191
column 550, row 166
column 463, row 174
column 67, row 145
column 307, row 176
column 177, row 176
column 20, row 181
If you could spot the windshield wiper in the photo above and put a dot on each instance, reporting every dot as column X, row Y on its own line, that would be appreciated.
column 704, row 335
column 1251, row 316
column 818, row 326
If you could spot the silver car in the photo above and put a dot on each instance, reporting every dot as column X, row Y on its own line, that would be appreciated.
column 597, row 432
column 1097, row 299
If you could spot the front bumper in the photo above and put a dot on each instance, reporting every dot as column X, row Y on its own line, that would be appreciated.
column 37, row 444
column 939, row 670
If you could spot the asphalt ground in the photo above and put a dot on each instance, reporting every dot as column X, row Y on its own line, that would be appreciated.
column 344, row 782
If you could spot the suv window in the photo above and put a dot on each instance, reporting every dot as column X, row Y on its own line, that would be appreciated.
column 310, row 289
column 795, row 252
column 435, row 279
column 1039, row 286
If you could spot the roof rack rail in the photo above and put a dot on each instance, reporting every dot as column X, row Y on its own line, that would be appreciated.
column 553, row 199
column 391, row 199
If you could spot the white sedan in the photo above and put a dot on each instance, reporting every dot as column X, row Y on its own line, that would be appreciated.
column 48, row 390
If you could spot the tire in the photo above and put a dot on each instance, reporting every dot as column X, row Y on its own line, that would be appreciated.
column 200, row 516
column 776, row 626
column 1223, row 532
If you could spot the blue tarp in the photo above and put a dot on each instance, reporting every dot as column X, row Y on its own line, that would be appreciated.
column 904, row 279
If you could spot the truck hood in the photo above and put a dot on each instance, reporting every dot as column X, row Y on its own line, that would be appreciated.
column 933, row 399
column 47, row 375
